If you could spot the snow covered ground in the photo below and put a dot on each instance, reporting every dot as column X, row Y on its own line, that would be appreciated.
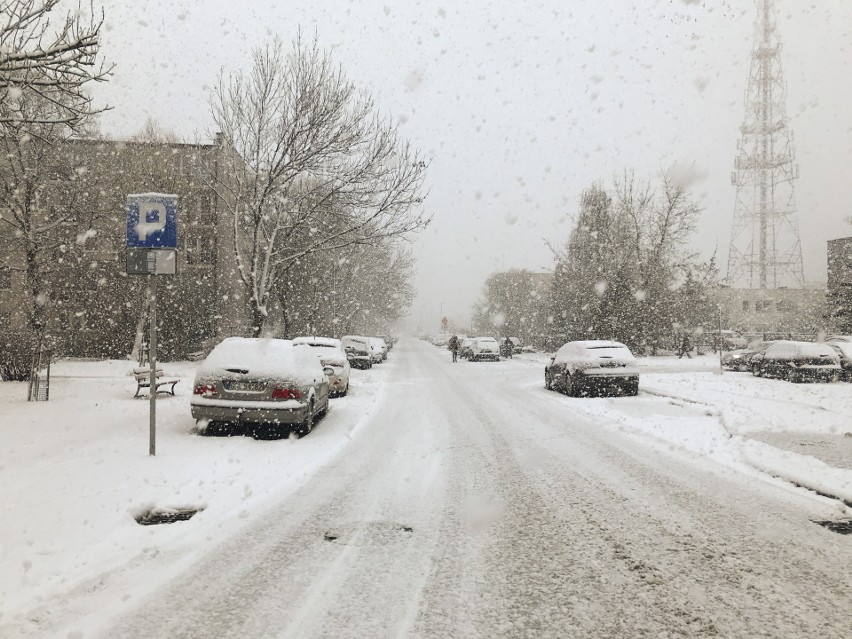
column 75, row 470
column 799, row 432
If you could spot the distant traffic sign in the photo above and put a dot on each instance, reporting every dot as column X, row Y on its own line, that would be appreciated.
column 152, row 220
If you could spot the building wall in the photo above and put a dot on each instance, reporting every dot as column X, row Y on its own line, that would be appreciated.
column 95, row 307
column 782, row 310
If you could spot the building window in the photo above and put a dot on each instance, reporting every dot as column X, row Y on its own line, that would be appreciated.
column 746, row 305
column 205, row 210
column 200, row 250
column 763, row 305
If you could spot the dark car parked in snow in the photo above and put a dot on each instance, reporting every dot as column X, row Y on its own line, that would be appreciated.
column 740, row 359
column 580, row 367
column 797, row 361
column 844, row 352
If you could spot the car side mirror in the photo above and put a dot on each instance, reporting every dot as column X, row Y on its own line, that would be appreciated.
column 328, row 370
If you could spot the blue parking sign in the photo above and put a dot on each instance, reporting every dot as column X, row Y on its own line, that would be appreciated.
column 152, row 220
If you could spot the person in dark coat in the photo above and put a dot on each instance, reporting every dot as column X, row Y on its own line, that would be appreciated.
column 454, row 347
column 685, row 347
column 509, row 346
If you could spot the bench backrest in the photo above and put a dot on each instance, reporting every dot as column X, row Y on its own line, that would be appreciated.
column 141, row 374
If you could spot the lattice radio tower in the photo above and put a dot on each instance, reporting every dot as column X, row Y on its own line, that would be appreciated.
column 765, row 248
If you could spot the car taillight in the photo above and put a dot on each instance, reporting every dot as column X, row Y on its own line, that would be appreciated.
column 204, row 389
column 286, row 393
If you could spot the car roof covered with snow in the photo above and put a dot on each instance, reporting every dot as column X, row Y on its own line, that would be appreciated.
column 267, row 358
column 593, row 349
column 786, row 348
column 315, row 340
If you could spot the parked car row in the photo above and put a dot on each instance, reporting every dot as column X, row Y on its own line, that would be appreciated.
column 795, row 361
column 276, row 386
column 364, row 351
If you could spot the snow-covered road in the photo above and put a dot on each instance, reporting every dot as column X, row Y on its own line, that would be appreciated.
column 476, row 504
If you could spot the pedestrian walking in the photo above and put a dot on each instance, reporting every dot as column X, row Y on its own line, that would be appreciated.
column 454, row 347
column 685, row 347
column 509, row 347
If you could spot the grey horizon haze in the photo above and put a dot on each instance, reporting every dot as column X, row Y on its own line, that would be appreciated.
column 521, row 106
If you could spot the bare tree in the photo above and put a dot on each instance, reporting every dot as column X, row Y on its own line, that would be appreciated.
column 626, row 255
column 362, row 288
column 46, row 217
column 54, row 62
column 312, row 167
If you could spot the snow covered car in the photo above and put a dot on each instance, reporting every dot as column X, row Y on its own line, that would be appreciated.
column 844, row 352
column 380, row 349
column 271, row 384
column 465, row 349
column 740, row 359
column 797, row 361
column 579, row 367
column 484, row 348
column 331, row 355
column 731, row 340
column 358, row 351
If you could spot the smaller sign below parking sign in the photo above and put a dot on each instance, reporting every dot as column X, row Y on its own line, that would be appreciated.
column 152, row 220
column 142, row 261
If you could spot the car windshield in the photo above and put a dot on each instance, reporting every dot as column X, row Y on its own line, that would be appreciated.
column 531, row 239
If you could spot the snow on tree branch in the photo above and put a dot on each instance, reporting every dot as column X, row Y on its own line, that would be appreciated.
column 49, row 63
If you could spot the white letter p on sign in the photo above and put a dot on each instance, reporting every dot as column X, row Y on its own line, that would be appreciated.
column 150, row 210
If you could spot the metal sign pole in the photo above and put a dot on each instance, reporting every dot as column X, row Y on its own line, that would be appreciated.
column 152, row 358
column 151, row 250
column 721, row 342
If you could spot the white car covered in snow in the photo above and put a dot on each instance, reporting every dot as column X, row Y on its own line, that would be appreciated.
column 380, row 349
column 484, row 348
column 272, row 385
column 331, row 355
column 580, row 367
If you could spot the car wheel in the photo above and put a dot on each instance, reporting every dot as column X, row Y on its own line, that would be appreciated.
column 793, row 376
column 211, row 429
column 755, row 370
column 835, row 377
column 568, row 384
column 548, row 385
column 344, row 391
column 632, row 388
column 308, row 425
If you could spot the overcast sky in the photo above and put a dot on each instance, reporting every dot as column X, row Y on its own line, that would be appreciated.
column 522, row 105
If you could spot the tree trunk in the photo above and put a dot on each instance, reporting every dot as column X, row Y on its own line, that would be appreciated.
column 258, row 319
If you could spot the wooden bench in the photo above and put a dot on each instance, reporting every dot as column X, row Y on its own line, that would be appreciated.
column 143, row 377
